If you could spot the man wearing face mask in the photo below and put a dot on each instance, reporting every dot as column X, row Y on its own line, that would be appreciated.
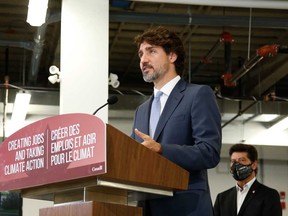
column 249, row 197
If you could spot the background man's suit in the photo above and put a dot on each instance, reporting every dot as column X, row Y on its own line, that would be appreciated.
column 260, row 201
column 191, row 119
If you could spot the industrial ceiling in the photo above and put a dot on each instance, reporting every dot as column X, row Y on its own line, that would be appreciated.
column 241, row 52
column 219, row 41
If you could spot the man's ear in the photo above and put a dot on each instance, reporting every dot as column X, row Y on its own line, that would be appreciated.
column 254, row 165
column 172, row 57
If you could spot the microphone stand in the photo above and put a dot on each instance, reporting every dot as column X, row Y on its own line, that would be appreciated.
column 100, row 108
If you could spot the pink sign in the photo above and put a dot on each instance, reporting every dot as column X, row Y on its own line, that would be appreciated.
column 54, row 149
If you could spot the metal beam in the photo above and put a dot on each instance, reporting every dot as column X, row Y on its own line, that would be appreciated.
column 267, row 4
column 198, row 19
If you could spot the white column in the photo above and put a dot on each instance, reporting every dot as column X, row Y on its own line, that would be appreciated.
column 84, row 56
column 84, row 65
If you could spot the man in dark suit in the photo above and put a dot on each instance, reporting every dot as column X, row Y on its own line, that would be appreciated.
column 249, row 197
column 189, row 129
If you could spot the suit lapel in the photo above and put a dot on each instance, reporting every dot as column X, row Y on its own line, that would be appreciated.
column 234, row 201
column 146, row 113
column 250, row 195
column 172, row 102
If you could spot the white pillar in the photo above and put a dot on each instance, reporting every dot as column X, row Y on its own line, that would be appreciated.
column 84, row 65
column 84, row 56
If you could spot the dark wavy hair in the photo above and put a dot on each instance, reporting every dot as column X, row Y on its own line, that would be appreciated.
column 170, row 42
column 251, row 151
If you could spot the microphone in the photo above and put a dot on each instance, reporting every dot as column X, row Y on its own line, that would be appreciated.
column 111, row 100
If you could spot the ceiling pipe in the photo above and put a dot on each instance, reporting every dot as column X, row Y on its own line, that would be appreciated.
column 28, row 45
column 268, row 4
column 36, row 46
column 264, row 51
column 6, row 85
column 39, row 39
column 283, row 49
column 226, row 39
column 207, row 59
column 269, row 73
column 240, row 112
column 197, row 19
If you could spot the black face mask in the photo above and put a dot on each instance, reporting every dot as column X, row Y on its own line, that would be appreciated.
column 241, row 171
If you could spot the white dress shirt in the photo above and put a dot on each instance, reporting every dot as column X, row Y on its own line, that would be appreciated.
column 166, row 89
column 242, row 192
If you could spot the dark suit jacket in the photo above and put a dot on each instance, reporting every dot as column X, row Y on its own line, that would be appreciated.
column 260, row 201
column 189, row 130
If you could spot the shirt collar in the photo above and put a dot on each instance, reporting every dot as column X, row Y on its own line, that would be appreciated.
column 168, row 87
column 246, row 186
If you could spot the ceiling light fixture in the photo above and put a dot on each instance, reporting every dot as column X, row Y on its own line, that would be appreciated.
column 37, row 10
column 280, row 125
column 20, row 107
column 265, row 117
column 55, row 74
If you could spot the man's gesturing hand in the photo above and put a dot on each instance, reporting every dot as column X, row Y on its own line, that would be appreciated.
column 149, row 142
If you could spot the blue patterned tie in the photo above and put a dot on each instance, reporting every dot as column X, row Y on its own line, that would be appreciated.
column 155, row 113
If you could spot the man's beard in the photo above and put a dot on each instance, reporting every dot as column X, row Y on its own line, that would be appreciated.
column 151, row 77
column 155, row 75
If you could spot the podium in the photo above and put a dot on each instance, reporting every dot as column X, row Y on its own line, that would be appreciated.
column 134, row 173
